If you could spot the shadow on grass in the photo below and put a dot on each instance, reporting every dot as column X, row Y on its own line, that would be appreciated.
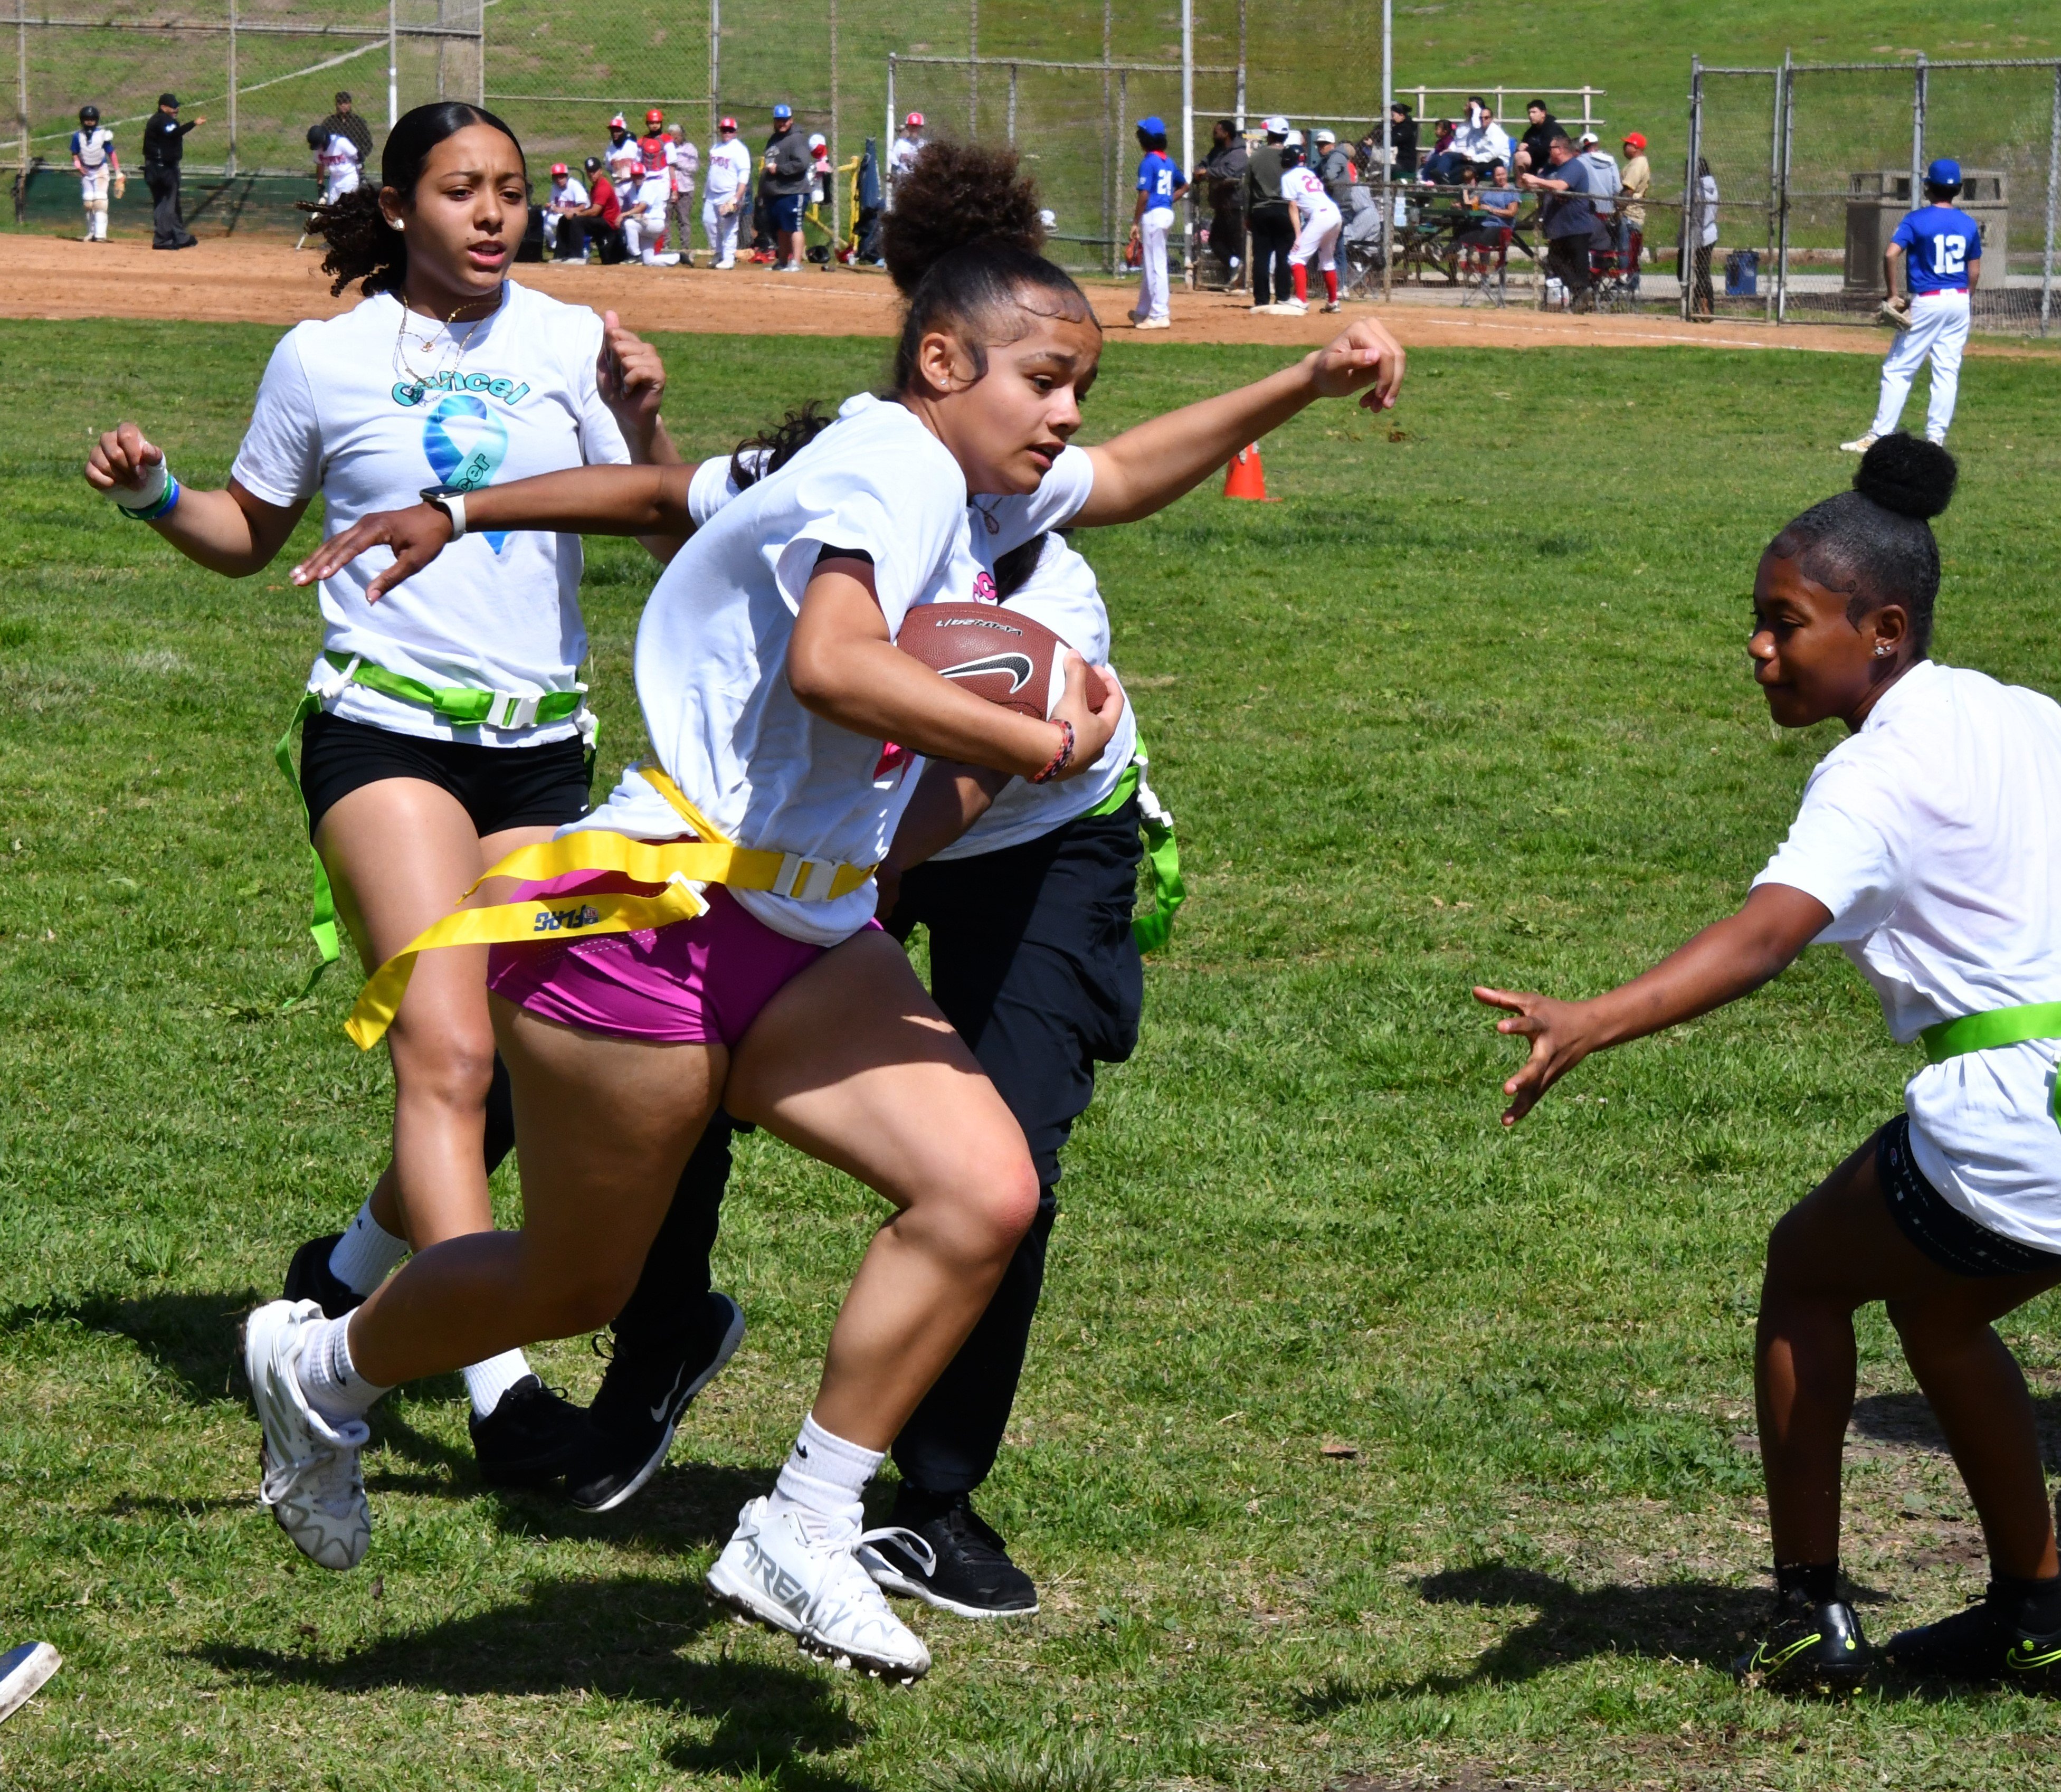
column 1697, row 1621
column 190, row 1336
column 619, row 1638
column 1905, row 1422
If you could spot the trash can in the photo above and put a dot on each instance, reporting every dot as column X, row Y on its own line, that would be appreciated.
column 1742, row 273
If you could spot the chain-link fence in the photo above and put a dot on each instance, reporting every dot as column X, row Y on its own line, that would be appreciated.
column 1797, row 177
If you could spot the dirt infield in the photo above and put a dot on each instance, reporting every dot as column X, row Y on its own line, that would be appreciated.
column 261, row 280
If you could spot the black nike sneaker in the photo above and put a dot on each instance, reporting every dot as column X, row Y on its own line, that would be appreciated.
column 640, row 1401
column 972, row 1575
column 1809, row 1647
column 531, row 1438
column 1982, row 1644
column 309, row 1277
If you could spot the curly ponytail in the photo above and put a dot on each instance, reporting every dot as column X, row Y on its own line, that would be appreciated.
column 362, row 245
column 964, row 243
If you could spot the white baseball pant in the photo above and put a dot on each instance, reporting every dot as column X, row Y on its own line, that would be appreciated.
column 1319, row 238
column 1940, row 328
column 720, row 227
column 344, row 180
column 93, row 185
column 1152, row 228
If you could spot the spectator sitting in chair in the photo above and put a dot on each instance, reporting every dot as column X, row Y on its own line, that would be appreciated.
column 1572, row 233
column 1498, row 203
column 1442, row 133
column 1401, row 144
column 1478, row 144
column 1535, row 148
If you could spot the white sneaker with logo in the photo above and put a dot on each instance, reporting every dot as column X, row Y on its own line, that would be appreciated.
column 778, row 1569
column 1859, row 445
column 313, row 1482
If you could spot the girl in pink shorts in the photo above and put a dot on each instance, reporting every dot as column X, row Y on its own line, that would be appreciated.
column 785, row 721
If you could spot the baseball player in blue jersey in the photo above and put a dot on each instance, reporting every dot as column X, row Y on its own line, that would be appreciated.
column 1159, row 186
column 1941, row 248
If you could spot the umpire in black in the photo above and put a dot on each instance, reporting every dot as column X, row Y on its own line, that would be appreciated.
column 164, row 148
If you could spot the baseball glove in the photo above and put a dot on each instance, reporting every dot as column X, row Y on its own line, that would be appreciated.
column 1896, row 312
column 121, row 185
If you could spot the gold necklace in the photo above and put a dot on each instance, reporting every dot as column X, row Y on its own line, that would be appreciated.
column 417, row 382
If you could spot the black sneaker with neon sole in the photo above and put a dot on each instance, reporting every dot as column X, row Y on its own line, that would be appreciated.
column 309, row 1277
column 1809, row 1647
column 1983, row 1645
column 532, row 1437
column 643, row 1394
column 973, row 1575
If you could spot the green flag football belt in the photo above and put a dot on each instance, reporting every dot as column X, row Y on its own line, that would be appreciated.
column 1163, row 852
column 462, row 705
column 2000, row 1026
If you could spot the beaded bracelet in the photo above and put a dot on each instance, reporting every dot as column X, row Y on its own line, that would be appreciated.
column 1063, row 757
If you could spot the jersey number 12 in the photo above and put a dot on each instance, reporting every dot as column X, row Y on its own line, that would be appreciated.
column 1950, row 254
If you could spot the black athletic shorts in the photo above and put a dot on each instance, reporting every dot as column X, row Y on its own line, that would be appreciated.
column 1939, row 1228
column 501, row 786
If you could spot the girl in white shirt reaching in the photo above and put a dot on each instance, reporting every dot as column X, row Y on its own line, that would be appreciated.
column 1318, row 222
column 1928, row 846
column 788, row 730
column 444, row 722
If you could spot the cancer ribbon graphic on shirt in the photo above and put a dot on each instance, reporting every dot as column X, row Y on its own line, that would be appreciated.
column 465, row 444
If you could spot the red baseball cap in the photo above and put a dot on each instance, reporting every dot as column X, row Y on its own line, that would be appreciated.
column 1636, row 141
column 726, row 124
column 915, row 119
column 560, row 168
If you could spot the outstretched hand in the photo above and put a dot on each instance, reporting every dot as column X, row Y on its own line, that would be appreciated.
column 417, row 535
column 121, row 460
column 1560, row 1039
column 631, row 376
column 1363, row 359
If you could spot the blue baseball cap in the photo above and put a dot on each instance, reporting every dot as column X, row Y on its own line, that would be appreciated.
column 1945, row 172
column 1152, row 126
column 783, row 110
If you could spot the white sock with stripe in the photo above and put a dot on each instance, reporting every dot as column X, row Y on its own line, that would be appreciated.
column 824, row 1476
column 366, row 1254
column 328, row 1377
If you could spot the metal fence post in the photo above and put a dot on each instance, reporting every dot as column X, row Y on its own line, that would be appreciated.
column 1012, row 106
column 973, row 68
column 229, row 157
column 2053, row 202
column 1917, row 130
column 1692, row 189
column 887, row 139
column 393, row 63
column 1772, row 211
column 479, row 96
column 1116, row 184
column 1109, row 142
column 1240, row 112
column 1188, row 139
column 836, row 181
column 22, row 103
column 1788, row 139
column 715, row 73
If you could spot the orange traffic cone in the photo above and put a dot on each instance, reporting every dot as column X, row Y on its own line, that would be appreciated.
column 1246, row 478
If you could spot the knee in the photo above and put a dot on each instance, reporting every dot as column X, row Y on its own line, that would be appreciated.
column 586, row 1296
column 1008, row 1203
column 451, row 1065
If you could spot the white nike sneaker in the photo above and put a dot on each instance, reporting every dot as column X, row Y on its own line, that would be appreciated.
column 1859, row 445
column 1331, row 304
column 776, row 1570
column 1292, row 307
column 313, row 1482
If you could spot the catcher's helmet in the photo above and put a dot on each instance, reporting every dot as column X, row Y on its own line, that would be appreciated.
column 89, row 114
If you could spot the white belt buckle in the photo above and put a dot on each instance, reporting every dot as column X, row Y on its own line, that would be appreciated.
column 338, row 681
column 512, row 712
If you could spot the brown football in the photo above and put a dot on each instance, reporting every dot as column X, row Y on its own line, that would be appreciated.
column 996, row 653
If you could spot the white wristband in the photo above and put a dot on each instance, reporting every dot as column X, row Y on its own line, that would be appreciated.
column 155, row 480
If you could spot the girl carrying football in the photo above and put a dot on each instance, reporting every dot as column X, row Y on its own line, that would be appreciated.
column 1928, row 846
column 770, row 685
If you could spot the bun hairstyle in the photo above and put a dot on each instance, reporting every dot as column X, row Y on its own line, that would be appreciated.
column 1875, row 543
column 964, row 247
column 363, row 246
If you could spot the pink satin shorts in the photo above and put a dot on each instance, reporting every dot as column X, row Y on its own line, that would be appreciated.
column 701, row 982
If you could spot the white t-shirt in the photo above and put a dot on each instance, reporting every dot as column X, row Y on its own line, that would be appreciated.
column 624, row 162
column 571, row 196
column 901, row 157
column 339, row 413
column 729, row 169
column 712, row 649
column 1934, row 836
column 1302, row 187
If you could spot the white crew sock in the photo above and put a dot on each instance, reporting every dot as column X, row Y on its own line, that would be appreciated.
column 486, row 1381
column 824, row 1476
column 328, row 1378
column 365, row 1256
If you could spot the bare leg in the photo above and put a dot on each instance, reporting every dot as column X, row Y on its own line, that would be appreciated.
column 853, row 1063
column 434, row 1187
column 1834, row 1251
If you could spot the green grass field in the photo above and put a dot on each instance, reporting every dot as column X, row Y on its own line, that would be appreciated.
column 1358, row 1437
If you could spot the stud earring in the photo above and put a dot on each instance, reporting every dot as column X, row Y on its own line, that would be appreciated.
column 1881, row 650
column 397, row 224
